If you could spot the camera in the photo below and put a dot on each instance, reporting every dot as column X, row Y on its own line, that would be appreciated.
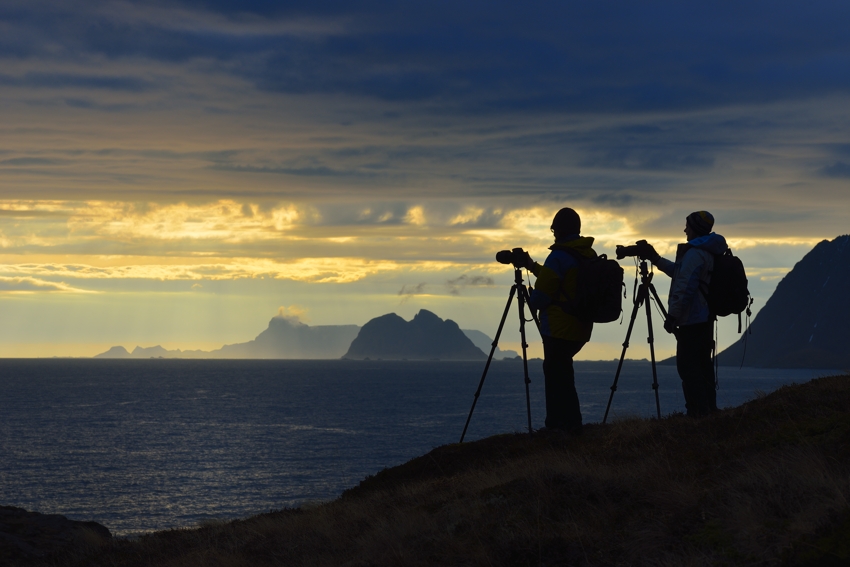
column 641, row 249
column 518, row 257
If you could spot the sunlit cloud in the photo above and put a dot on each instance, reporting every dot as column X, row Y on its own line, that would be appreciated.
column 747, row 243
column 416, row 216
column 225, row 221
column 35, row 285
column 292, row 313
column 317, row 270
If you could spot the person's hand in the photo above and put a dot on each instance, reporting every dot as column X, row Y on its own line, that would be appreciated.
column 647, row 251
column 669, row 326
column 527, row 262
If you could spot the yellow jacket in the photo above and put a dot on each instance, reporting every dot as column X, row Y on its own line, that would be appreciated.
column 556, row 283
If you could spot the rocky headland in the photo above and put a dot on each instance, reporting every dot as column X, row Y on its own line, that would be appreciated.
column 426, row 337
column 806, row 322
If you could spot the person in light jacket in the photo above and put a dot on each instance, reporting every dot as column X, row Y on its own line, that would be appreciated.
column 688, row 315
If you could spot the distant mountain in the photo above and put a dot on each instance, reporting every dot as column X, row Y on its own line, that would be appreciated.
column 485, row 343
column 284, row 338
column 287, row 338
column 806, row 322
column 426, row 337
column 114, row 352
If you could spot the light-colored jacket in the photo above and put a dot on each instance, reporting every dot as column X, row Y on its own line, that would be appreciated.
column 691, row 272
column 556, row 283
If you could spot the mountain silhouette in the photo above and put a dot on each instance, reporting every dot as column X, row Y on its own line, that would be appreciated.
column 288, row 338
column 285, row 338
column 426, row 337
column 806, row 322
column 485, row 343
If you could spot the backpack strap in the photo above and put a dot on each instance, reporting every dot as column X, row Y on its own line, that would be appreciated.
column 704, row 286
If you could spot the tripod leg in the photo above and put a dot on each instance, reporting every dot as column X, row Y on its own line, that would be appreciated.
column 638, row 299
column 489, row 360
column 524, row 293
column 651, row 340
column 657, row 299
column 522, row 298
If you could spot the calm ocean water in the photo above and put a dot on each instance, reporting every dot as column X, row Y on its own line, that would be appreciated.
column 143, row 445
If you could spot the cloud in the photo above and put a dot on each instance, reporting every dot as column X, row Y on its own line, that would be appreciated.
column 329, row 270
column 455, row 285
column 567, row 57
column 407, row 291
column 35, row 285
column 838, row 170
column 388, row 116
column 293, row 313
column 83, row 81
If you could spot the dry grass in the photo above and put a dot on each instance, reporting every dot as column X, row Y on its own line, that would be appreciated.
column 763, row 484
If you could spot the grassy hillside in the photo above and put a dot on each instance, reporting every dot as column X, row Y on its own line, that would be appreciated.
column 766, row 483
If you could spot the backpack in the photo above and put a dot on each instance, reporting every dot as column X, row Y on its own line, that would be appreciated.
column 727, row 292
column 598, row 296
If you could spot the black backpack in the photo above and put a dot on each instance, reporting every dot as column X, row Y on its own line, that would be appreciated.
column 727, row 292
column 599, row 289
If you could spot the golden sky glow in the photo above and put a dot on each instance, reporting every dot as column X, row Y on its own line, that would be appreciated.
column 186, row 171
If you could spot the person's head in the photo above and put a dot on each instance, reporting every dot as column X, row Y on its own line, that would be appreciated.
column 698, row 224
column 566, row 223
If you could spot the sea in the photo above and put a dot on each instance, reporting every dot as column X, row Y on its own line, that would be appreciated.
column 147, row 445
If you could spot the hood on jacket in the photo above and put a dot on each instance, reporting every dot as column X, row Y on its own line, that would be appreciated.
column 712, row 242
column 581, row 244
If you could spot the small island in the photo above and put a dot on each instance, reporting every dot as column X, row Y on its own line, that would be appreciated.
column 426, row 337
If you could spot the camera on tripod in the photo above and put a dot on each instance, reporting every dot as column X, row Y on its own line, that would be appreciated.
column 518, row 257
column 642, row 249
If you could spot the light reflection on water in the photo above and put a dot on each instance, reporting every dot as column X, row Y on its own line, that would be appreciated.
column 142, row 445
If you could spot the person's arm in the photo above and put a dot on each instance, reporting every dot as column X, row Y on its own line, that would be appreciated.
column 648, row 251
column 664, row 265
column 547, row 289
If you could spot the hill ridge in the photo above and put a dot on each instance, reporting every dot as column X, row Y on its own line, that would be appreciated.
column 806, row 321
column 767, row 482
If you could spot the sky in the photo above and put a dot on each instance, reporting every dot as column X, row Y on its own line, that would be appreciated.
column 178, row 173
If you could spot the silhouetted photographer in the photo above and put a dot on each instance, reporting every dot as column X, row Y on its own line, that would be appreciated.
column 564, row 333
column 575, row 288
column 689, row 316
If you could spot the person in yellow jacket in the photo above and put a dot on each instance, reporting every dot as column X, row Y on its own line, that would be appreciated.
column 563, row 334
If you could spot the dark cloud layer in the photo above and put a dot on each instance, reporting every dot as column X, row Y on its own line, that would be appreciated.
column 467, row 57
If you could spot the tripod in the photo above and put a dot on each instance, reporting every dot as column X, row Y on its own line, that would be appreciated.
column 641, row 297
column 522, row 294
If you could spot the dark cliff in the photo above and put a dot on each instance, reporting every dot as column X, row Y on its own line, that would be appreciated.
column 426, row 337
column 806, row 322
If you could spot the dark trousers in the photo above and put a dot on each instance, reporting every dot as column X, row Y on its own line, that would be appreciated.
column 694, row 344
column 562, row 408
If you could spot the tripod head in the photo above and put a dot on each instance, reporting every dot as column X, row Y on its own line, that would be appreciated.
column 645, row 274
column 520, row 259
